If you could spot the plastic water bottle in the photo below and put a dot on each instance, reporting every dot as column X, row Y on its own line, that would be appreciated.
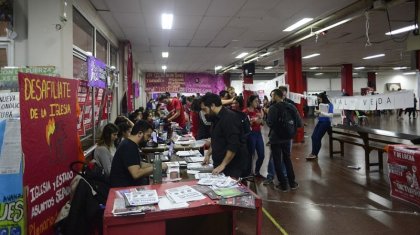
column 157, row 169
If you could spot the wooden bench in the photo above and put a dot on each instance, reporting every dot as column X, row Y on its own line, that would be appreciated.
column 369, row 139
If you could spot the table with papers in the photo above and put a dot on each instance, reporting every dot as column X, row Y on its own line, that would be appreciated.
column 181, row 209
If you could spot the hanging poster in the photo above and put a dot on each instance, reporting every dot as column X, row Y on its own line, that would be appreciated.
column 9, row 76
column 49, row 144
column 82, row 94
column 96, row 72
column 9, row 105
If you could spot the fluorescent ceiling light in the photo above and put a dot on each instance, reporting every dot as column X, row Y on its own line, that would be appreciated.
column 248, row 61
column 267, row 53
column 312, row 68
column 355, row 74
column 399, row 68
column 167, row 20
column 410, row 73
column 317, row 74
column 402, row 30
column 217, row 67
column 359, row 68
column 165, row 54
column 268, row 67
column 242, row 55
column 373, row 56
column 164, row 67
column 298, row 24
column 310, row 56
column 332, row 26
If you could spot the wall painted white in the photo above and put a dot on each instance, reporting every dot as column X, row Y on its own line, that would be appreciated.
column 408, row 82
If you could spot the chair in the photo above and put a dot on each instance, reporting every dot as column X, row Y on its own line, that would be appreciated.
column 362, row 120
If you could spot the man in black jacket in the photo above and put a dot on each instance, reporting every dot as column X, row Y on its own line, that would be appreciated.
column 228, row 145
column 280, row 140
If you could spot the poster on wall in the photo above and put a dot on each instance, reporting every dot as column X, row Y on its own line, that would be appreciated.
column 82, row 93
column 184, row 82
column 9, row 76
column 96, row 72
column 49, row 144
column 404, row 175
column 11, row 197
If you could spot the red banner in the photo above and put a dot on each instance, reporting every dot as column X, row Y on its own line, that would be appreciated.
column 404, row 176
column 49, row 144
column 82, row 94
column 129, row 79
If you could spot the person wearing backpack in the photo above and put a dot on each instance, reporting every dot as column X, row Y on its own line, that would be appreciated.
column 323, row 125
column 254, row 139
column 228, row 144
column 283, row 120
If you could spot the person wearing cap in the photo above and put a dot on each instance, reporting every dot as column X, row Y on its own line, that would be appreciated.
column 175, row 108
column 127, row 169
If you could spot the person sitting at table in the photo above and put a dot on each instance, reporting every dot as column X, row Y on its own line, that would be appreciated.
column 106, row 149
column 127, row 168
column 228, row 143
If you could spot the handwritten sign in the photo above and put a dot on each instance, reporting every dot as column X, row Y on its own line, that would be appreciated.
column 49, row 144
column 9, row 76
column 392, row 100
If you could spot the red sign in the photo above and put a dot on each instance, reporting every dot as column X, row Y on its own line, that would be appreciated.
column 82, row 94
column 49, row 144
column 404, row 176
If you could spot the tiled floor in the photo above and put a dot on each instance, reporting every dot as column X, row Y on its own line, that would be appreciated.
column 334, row 199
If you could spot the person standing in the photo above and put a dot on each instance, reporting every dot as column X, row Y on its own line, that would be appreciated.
column 283, row 120
column 104, row 152
column 228, row 144
column 323, row 125
column 255, row 140
column 127, row 168
column 175, row 108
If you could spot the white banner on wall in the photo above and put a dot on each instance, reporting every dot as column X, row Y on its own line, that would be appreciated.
column 392, row 100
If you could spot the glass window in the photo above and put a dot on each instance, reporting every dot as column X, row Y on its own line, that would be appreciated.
column 113, row 57
column 80, row 68
column 3, row 57
column 101, row 45
column 82, row 32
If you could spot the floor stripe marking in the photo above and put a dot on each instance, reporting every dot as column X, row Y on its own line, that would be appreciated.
column 281, row 229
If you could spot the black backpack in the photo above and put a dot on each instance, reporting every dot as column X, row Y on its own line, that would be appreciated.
column 245, row 123
column 285, row 125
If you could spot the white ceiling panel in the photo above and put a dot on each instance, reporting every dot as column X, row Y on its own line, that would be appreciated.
column 213, row 23
column 130, row 20
column 210, row 32
column 224, row 8
column 123, row 5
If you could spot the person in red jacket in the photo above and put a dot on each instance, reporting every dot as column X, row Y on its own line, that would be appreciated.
column 175, row 108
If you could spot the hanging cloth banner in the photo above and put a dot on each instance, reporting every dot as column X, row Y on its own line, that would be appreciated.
column 392, row 100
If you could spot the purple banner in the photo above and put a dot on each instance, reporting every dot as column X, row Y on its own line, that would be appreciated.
column 96, row 73
column 136, row 89
column 184, row 82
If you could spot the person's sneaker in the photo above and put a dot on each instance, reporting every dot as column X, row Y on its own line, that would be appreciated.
column 311, row 157
column 268, row 181
column 284, row 189
column 294, row 186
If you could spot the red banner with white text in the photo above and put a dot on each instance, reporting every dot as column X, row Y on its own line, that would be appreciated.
column 49, row 144
column 404, row 175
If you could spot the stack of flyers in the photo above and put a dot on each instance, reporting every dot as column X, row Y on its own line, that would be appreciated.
column 140, row 198
column 184, row 194
column 120, row 208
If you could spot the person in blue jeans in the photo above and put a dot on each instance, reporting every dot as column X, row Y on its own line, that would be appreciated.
column 255, row 140
column 325, row 113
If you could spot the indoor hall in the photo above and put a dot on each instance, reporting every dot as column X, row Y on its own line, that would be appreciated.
column 71, row 69
column 334, row 198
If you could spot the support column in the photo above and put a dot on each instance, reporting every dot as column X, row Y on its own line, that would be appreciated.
column 293, row 77
column 371, row 76
column 347, row 79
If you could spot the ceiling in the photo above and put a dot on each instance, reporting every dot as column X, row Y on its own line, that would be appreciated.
column 207, row 33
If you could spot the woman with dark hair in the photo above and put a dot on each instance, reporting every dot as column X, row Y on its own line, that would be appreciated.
column 325, row 113
column 124, row 130
column 105, row 150
column 255, row 140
